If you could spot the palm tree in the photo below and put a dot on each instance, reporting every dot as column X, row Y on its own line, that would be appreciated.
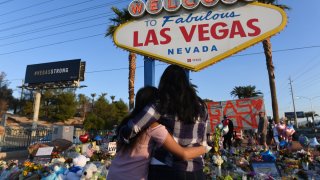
column 93, row 95
column 245, row 92
column 83, row 102
column 121, row 18
column 270, row 67
column 112, row 98
column 311, row 115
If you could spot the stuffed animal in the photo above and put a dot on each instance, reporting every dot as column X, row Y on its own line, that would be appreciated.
column 89, row 172
column 57, row 173
column 103, row 171
column 75, row 172
column 57, row 170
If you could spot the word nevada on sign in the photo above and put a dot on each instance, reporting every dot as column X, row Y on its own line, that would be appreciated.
column 199, row 38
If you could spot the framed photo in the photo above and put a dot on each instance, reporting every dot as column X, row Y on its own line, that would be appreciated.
column 267, row 168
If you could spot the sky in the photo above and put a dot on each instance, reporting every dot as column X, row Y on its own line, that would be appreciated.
column 40, row 31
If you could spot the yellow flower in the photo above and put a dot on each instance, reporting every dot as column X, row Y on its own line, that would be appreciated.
column 25, row 173
column 27, row 163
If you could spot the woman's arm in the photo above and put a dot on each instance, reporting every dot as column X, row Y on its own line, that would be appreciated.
column 185, row 153
column 142, row 121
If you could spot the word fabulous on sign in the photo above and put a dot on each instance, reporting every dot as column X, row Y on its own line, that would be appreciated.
column 199, row 38
column 137, row 7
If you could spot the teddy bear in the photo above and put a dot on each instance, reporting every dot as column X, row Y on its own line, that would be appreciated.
column 89, row 172
column 57, row 170
column 75, row 172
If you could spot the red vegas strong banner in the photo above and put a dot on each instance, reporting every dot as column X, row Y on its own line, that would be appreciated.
column 242, row 112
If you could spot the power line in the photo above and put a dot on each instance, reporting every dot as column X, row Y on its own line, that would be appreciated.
column 308, row 85
column 45, row 12
column 280, row 50
column 59, row 16
column 28, row 7
column 4, row 2
column 61, row 42
column 307, row 70
column 117, row 69
column 63, row 32
column 248, row 54
column 66, row 23
column 309, row 80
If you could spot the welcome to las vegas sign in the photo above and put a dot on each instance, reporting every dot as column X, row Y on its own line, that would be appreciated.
column 199, row 38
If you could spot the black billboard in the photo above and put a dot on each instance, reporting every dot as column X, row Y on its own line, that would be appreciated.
column 61, row 71
column 290, row 115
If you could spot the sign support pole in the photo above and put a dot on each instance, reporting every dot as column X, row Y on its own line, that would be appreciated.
column 37, row 98
column 149, row 71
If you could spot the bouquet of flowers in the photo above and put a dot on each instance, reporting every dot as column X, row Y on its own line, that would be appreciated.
column 29, row 168
column 304, row 156
column 217, row 161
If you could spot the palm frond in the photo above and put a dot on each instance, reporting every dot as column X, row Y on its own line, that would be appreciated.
column 121, row 17
column 275, row 2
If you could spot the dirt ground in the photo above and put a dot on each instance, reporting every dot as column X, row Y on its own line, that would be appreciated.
column 18, row 121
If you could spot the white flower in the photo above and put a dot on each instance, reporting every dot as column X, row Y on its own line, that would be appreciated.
column 217, row 160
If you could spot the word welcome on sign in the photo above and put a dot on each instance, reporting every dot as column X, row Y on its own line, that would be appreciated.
column 138, row 7
column 199, row 38
column 242, row 112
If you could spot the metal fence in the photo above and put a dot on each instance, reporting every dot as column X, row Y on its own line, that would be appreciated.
column 22, row 138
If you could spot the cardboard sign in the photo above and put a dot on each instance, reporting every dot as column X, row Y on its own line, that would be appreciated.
column 85, row 147
column 267, row 168
column 243, row 112
column 44, row 151
column 43, row 155
column 112, row 148
column 196, row 39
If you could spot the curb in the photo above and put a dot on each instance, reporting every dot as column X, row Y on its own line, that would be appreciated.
column 14, row 155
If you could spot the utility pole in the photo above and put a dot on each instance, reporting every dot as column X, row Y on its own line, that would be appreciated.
column 22, row 88
column 294, row 106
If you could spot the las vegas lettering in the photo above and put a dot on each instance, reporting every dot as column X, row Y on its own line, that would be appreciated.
column 202, row 32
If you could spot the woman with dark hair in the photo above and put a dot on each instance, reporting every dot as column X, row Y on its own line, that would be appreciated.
column 185, row 116
column 132, row 159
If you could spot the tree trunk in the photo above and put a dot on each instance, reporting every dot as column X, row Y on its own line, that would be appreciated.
column 268, row 53
column 132, row 72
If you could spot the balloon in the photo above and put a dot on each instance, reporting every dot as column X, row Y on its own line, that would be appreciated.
column 283, row 144
column 314, row 142
column 268, row 156
column 225, row 130
column 303, row 140
column 226, row 122
column 290, row 130
column 84, row 138
column 98, row 138
column 281, row 126
column 78, row 149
